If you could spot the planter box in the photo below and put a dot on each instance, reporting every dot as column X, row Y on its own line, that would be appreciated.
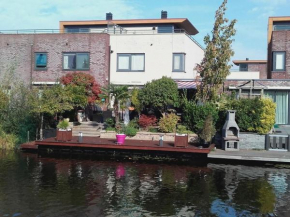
column 192, row 138
column 64, row 135
column 181, row 140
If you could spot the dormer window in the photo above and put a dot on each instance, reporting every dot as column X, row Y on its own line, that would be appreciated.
column 243, row 67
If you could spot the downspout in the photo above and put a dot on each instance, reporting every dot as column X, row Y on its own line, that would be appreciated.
column 31, row 64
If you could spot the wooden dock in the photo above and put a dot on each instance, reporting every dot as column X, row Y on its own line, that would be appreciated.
column 95, row 143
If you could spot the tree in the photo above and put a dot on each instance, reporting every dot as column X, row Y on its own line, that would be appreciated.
column 214, row 68
column 84, row 80
column 158, row 94
column 51, row 100
column 118, row 94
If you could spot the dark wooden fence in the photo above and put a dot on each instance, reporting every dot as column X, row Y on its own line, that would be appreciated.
column 277, row 142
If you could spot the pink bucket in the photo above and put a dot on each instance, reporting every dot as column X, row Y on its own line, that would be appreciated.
column 120, row 138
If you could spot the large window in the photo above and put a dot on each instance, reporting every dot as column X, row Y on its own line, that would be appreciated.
column 278, row 61
column 40, row 61
column 130, row 62
column 76, row 61
column 178, row 62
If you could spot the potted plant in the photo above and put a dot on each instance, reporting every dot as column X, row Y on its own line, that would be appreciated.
column 123, row 132
column 63, row 133
column 120, row 136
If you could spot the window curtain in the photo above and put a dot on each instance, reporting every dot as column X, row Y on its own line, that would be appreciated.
column 69, row 61
column 137, row 62
column 281, row 100
column 279, row 61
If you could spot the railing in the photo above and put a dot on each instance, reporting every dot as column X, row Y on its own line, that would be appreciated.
column 278, row 142
column 281, row 28
column 95, row 30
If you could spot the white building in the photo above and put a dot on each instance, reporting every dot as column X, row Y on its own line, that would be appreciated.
column 146, row 49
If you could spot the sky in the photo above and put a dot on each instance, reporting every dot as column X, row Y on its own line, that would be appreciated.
column 251, row 15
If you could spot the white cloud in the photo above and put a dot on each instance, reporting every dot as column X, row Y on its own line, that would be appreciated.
column 46, row 14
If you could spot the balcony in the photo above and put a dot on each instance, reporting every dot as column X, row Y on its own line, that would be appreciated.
column 243, row 75
column 281, row 27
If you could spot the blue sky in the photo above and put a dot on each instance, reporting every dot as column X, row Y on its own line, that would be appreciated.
column 252, row 16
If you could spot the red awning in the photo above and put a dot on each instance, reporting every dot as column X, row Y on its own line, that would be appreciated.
column 186, row 84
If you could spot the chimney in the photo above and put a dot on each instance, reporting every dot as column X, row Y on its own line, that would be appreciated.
column 109, row 16
column 163, row 14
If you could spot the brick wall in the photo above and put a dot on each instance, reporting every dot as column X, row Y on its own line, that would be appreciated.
column 280, row 42
column 18, row 51
column 260, row 67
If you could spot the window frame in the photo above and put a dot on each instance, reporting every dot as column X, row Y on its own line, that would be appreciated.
column 35, row 60
column 182, row 63
column 274, row 61
column 130, row 62
column 76, row 53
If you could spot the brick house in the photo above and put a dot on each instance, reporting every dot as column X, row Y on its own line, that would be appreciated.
column 44, row 58
column 269, row 77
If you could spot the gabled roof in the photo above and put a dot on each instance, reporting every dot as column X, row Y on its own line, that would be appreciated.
column 238, row 62
column 183, row 23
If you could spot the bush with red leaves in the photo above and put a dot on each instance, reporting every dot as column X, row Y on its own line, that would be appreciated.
column 83, row 79
column 146, row 121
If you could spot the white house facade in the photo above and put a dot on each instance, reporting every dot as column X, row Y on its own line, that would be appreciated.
column 147, row 49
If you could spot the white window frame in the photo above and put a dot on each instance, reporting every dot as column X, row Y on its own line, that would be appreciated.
column 181, row 64
column 274, row 65
column 130, row 55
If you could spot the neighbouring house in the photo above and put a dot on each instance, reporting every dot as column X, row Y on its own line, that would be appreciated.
column 145, row 49
column 42, row 58
column 269, row 77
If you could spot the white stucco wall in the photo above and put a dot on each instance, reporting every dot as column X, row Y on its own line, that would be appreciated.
column 158, row 50
column 244, row 75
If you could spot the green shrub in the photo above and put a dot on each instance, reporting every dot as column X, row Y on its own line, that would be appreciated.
column 194, row 115
column 133, row 123
column 208, row 130
column 153, row 129
column 7, row 141
column 168, row 123
column 130, row 131
column 267, row 118
column 110, row 122
column 181, row 129
column 63, row 125
column 110, row 129
column 254, row 115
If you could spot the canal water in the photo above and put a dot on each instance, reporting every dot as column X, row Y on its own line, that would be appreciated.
column 31, row 185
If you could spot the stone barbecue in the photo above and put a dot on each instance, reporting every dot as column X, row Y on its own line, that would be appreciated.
column 230, row 133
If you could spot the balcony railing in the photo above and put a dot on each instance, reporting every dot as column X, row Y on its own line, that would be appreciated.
column 281, row 28
column 95, row 30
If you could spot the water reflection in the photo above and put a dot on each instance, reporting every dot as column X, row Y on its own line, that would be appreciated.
column 32, row 186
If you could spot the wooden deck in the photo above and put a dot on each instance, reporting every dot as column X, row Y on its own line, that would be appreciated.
column 110, row 144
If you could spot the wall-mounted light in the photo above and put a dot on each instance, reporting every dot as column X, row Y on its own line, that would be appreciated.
column 66, row 44
column 112, row 51
column 7, row 44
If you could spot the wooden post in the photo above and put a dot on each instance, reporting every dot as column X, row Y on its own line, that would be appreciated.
column 267, row 143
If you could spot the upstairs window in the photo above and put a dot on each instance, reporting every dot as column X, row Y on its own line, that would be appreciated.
column 279, row 60
column 76, row 61
column 40, row 60
column 178, row 62
column 243, row 67
column 130, row 62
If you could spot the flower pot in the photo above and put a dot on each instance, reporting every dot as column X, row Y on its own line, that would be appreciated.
column 120, row 138
column 64, row 135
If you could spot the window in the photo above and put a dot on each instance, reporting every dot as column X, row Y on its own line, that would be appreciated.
column 130, row 62
column 178, row 62
column 243, row 67
column 40, row 60
column 278, row 61
column 76, row 61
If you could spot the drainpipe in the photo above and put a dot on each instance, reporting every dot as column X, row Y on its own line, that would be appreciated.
column 31, row 64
